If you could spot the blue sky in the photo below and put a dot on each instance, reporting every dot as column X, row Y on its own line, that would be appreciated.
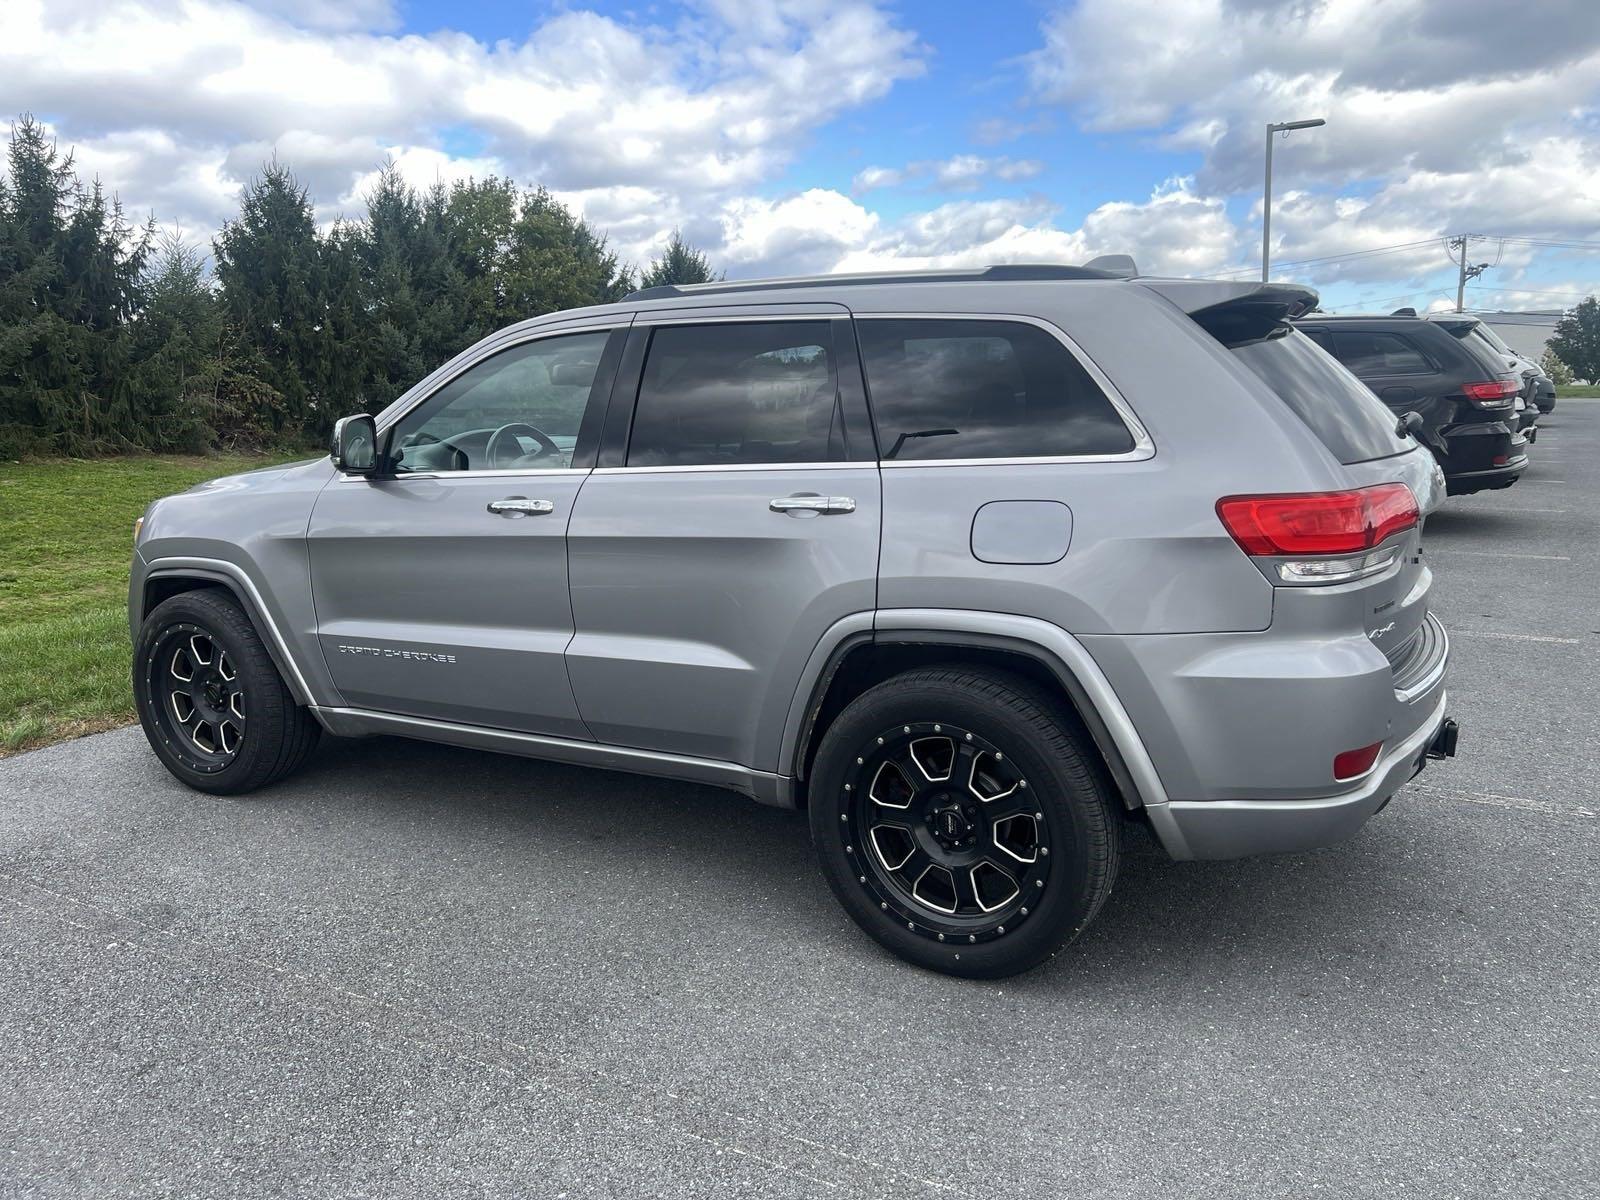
column 818, row 135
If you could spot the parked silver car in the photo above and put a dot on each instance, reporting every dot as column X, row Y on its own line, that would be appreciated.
column 975, row 566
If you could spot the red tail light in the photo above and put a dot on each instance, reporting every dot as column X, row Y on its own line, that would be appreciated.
column 1354, row 763
column 1318, row 522
column 1491, row 393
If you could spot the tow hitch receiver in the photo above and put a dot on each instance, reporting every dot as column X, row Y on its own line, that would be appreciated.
column 1444, row 742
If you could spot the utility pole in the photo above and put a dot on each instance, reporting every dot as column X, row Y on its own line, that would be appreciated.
column 1266, row 190
column 1465, row 273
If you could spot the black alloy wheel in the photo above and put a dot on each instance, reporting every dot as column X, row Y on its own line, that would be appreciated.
column 200, row 699
column 211, row 701
column 945, row 832
column 964, row 820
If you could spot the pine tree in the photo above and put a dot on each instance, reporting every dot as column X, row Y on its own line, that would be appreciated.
column 681, row 263
column 271, row 269
column 70, row 267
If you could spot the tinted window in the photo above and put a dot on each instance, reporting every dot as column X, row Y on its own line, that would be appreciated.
column 520, row 408
column 1487, row 351
column 1352, row 422
column 715, row 395
column 982, row 389
column 1379, row 353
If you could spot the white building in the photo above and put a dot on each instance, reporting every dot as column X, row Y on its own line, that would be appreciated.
column 1528, row 332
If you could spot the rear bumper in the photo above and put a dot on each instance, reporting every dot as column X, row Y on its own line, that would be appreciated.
column 1471, row 448
column 1460, row 483
column 1240, row 828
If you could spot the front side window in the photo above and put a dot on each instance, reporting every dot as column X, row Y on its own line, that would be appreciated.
column 722, row 395
column 1379, row 354
column 953, row 389
column 520, row 409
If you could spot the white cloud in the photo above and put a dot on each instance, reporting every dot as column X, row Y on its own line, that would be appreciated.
column 1441, row 118
column 961, row 173
column 585, row 102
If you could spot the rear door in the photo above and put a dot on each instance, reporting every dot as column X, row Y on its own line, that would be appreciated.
column 733, row 518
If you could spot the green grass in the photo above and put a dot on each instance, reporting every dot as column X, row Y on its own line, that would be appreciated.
column 1578, row 391
column 66, row 537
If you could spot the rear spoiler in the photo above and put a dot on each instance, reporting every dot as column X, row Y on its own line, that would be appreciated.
column 1237, row 312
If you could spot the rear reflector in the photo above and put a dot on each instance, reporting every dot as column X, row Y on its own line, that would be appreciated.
column 1318, row 522
column 1352, row 764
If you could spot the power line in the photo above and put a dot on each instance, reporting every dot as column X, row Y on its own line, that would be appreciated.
column 1529, row 291
column 1551, row 243
column 1349, row 254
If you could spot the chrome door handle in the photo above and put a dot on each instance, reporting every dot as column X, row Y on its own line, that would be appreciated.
column 521, row 506
column 816, row 504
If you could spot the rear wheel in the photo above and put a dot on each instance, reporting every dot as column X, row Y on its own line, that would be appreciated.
column 211, row 702
column 963, row 822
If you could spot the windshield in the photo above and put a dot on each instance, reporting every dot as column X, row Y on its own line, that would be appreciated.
column 1340, row 409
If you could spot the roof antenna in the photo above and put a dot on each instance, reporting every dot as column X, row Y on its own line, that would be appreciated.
column 1115, row 264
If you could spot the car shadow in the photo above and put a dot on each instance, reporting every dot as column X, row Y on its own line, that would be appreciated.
column 1165, row 921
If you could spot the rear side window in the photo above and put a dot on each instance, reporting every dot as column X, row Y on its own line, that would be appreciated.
column 721, row 395
column 950, row 389
column 1379, row 353
column 1486, row 351
column 1351, row 422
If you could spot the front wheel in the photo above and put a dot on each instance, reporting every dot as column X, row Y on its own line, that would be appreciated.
column 211, row 702
column 963, row 821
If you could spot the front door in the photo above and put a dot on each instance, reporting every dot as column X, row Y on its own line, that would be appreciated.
column 441, row 587
column 739, row 522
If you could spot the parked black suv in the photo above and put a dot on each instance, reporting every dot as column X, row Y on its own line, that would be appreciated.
column 1463, row 391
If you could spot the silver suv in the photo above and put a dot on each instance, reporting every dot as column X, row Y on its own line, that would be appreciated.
column 975, row 567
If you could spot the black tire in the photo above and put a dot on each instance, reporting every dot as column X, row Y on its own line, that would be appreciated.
column 998, row 723
column 243, row 734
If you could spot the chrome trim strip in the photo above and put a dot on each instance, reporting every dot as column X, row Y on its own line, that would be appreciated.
column 834, row 312
column 497, row 473
column 1143, row 446
column 354, row 722
column 1422, row 686
column 217, row 566
column 806, row 466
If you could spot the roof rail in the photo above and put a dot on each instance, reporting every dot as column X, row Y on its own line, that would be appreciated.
column 1008, row 272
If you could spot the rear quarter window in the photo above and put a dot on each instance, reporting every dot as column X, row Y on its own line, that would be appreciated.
column 1375, row 353
column 1350, row 421
column 962, row 389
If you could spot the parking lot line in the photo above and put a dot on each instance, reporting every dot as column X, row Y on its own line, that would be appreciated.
column 1495, row 800
column 1498, row 554
column 1515, row 637
column 1477, row 508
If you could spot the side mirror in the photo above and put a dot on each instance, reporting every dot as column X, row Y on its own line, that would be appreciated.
column 354, row 446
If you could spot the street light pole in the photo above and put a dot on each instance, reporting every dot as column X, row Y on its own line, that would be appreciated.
column 1266, row 191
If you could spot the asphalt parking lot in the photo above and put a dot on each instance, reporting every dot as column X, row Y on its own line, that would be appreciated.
column 416, row 971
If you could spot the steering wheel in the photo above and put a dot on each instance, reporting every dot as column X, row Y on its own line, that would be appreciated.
column 507, row 434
